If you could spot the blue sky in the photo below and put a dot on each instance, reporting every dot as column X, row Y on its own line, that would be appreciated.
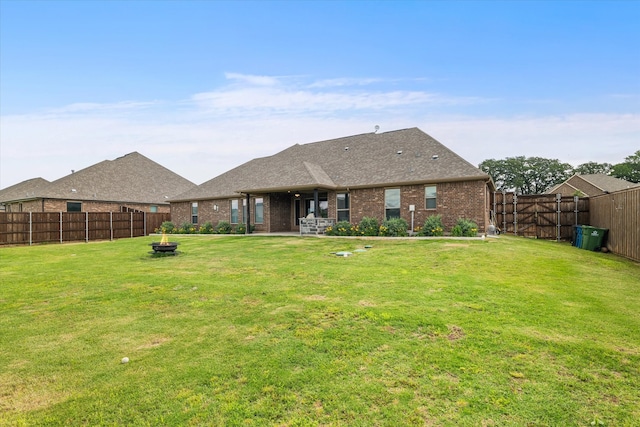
column 203, row 86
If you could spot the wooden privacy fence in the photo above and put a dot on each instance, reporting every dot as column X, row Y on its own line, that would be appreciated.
column 620, row 213
column 544, row 216
column 21, row 228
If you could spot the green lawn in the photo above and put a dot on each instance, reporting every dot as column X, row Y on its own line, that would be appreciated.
column 260, row 330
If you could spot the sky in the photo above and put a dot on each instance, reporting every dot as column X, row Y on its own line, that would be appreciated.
column 201, row 87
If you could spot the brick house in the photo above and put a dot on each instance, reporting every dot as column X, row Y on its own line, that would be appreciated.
column 127, row 184
column 591, row 185
column 404, row 173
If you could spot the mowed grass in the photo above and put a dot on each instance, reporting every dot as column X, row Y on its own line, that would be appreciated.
column 278, row 331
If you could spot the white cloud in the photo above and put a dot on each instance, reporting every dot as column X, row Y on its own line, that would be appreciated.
column 290, row 97
column 252, row 79
column 210, row 133
column 345, row 82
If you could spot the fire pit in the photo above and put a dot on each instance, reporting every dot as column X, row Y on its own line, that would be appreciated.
column 164, row 247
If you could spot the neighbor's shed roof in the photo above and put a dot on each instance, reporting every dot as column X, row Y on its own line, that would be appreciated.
column 604, row 183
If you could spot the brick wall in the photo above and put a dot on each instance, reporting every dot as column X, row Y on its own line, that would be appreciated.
column 207, row 212
column 281, row 212
column 466, row 199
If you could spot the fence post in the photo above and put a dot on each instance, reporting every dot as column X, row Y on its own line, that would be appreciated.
column 111, row 225
column 558, row 211
column 131, row 223
column 30, row 228
column 144, row 220
column 504, row 211
column 515, row 214
column 86, row 227
column 575, row 210
column 60, row 226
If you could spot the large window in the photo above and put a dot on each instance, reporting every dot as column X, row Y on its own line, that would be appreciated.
column 430, row 197
column 259, row 210
column 74, row 206
column 392, row 203
column 234, row 211
column 343, row 207
column 323, row 211
column 194, row 213
column 245, row 214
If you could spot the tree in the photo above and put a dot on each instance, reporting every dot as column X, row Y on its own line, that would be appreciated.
column 526, row 175
column 628, row 170
column 593, row 167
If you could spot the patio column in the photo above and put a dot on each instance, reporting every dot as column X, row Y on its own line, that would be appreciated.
column 316, row 203
column 248, row 230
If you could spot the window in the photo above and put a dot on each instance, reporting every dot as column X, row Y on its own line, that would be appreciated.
column 234, row 211
column 74, row 206
column 430, row 197
column 245, row 214
column 259, row 210
column 323, row 202
column 153, row 209
column 194, row 213
column 392, row 203
column 343, row 206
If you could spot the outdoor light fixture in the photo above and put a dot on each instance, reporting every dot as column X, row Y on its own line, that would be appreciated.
column 215, row 208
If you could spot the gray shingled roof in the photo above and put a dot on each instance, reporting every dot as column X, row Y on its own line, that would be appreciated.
column 24, row 190
column 607, row 182
column 391, row 158
column 132, row 178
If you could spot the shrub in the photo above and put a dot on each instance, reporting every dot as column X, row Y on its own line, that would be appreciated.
column 340, row 228
column 187, row 228
column 223, row 227
column 206, row 228
column 394, row 227
column 241, row 228
column 167, row 227
column 432, row 226
column 368, row 226
column 464, row 228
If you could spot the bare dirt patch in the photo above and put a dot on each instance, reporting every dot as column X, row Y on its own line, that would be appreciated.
column 455, row 333
column 155, row 342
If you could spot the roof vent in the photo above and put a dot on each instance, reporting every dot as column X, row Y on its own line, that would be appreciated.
column 346, row 148
column 434, row 157
column 73, row 190
column 399, row 152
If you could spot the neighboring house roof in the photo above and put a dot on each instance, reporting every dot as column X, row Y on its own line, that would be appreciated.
column 24, row 190
column 132, row 178
column 603, row 183
column 399, row 157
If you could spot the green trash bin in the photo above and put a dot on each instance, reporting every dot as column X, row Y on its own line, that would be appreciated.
column 593, row 237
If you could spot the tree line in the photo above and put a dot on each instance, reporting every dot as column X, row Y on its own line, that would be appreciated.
column 535, row 175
